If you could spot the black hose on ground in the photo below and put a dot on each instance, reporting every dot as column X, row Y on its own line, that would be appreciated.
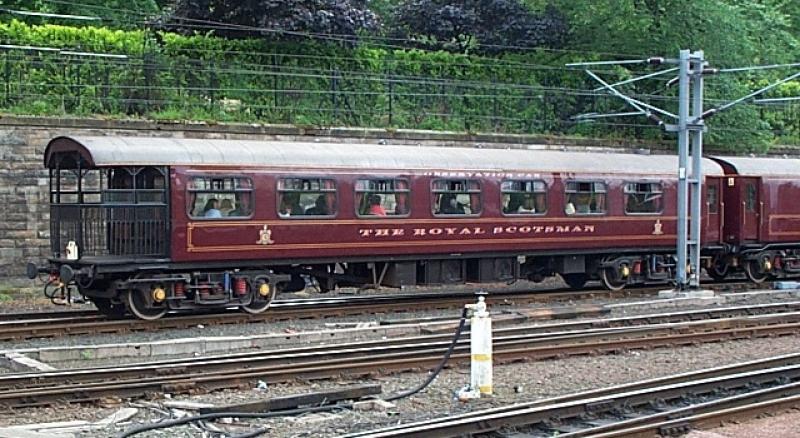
column 186, row 420
column 440, row 367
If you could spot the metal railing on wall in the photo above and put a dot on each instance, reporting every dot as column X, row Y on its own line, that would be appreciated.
column 303, row 90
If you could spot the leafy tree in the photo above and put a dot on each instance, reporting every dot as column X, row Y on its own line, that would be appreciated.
column 490, row 26
column 733, row 32
column 278, row 19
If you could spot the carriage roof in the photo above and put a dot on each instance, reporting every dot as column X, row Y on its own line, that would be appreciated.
column 109, row 151
column 750, row 166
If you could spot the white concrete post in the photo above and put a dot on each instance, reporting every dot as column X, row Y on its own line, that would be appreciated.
column 481, row 349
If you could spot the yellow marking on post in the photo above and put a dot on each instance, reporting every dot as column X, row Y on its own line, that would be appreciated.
column 481, row 357
column 485, row 389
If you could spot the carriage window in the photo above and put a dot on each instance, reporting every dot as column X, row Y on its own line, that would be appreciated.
column 644, row 198
column 585, row 198
column 220, row 197
column 456, row 197
column 306, row 197
column 750, row 197
column 712, row 199
column 524, row 197
column 382, row 197
column 135, row 185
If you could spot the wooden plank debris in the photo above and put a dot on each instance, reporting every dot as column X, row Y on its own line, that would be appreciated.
column 298, row 400
column 66, row 429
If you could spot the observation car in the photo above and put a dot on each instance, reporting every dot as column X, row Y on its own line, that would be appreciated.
column 149, row 225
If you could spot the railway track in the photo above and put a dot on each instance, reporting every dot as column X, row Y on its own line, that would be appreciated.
column 659, row 407
column 363, row 358
column 20, row 326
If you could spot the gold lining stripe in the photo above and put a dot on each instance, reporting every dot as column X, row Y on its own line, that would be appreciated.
column 388, row 244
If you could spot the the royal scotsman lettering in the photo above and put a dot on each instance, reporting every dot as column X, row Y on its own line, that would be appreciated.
column 476, row 230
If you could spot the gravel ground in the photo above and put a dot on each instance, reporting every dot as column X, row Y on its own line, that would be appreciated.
column 537, row 380
column 782, row 425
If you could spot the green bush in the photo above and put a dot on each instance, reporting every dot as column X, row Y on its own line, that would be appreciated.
column 176, row 77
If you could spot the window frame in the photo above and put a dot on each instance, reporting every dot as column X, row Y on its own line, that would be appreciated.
column 407, row 192
column 537, row 213
column 251, row 191
column 279, row 191
column 433, row 192
column 585, row 181
column 750, row 197
column 625, row 194
column 107, row 194
column 712, row 207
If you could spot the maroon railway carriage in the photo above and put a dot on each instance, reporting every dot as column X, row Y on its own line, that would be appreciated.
column 153, row 224
column 761, row 217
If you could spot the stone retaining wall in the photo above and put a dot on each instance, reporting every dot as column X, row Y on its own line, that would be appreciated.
column 24, row 215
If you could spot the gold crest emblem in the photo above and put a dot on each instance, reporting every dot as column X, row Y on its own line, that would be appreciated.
column 265, row 236
column 657, row 231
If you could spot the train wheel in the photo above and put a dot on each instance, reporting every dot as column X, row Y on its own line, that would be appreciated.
column 719, row 269
column 109, row 309
column 755, row 270
column 142, row 306
column 611, row 280
column 261, row 300
column 575, row 281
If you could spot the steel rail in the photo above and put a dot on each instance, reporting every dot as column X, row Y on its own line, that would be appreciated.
column 29, row 326
column 639, row 411
column 134, row 380
column 20, row 326
column 550, row 335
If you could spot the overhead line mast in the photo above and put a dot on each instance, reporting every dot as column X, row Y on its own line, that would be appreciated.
column 689, row 124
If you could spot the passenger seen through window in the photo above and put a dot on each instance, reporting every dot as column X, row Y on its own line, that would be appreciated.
column 306, row 197
column 456, row 197
column 585, row 198
column 382, row 197
column 524, row 197
column 220, row 197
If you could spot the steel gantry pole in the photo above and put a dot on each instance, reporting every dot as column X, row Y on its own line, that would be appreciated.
column 683, row 158
column 696, row 128
column 689, row 126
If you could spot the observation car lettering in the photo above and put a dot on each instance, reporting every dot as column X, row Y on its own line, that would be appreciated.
column 483, row 175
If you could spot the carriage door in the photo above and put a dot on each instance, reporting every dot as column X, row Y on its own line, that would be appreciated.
column 750, row 189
